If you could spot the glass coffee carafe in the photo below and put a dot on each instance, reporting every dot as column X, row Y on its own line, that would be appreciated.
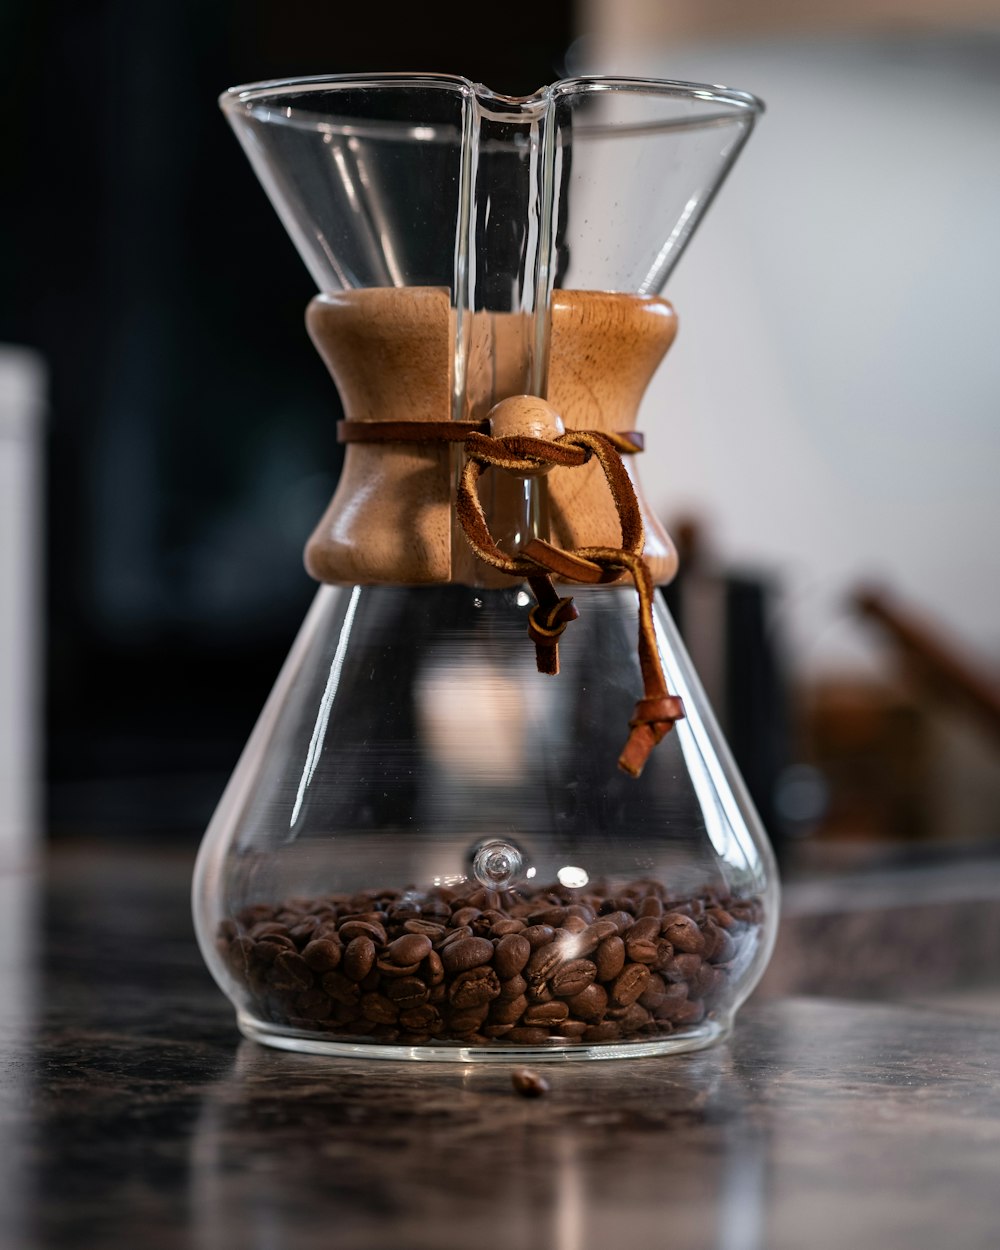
column 486, row 811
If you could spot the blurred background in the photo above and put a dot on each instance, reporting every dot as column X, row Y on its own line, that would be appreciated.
column 825, row 436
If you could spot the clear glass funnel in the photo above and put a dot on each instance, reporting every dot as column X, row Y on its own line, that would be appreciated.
column 427, row 848
column 429, row 180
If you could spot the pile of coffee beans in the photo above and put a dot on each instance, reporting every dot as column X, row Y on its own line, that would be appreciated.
column 472, row 966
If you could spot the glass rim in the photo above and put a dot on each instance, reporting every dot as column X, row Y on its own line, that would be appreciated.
column 245, row 98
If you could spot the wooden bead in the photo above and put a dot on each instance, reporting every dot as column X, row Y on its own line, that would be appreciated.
column 526, row 416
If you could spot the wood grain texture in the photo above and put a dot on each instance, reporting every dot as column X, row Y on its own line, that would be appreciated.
column 390, row 352
column 604, row 351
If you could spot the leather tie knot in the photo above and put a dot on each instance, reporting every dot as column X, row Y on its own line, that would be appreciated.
column 540, row 561
column 546, row 622
column 657, row 711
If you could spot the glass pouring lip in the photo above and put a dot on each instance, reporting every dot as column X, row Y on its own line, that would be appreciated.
column 247, row 97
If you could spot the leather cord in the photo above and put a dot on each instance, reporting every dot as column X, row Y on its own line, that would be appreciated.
column 657, row 711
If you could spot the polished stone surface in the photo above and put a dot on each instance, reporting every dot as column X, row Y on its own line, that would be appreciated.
column 132, row 1115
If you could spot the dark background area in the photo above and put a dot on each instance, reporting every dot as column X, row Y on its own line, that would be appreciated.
column 190, row 444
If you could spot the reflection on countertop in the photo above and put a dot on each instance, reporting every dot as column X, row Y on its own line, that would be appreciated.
column 133, row 1115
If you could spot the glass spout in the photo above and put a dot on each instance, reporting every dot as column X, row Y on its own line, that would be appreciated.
column 592, row 183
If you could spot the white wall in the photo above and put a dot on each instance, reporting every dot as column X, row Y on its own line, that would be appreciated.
column 832, row 403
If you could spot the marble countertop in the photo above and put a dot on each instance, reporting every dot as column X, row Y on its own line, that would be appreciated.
column 132, row 1115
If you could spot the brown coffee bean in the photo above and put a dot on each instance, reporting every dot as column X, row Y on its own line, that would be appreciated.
column 359, row 957
column 572, row 1030
column 453, row 936
column 539, row 992
column 513, row 988
column 313, row 1004
column 629, row 984
column 323, row 955
column 512, row 953
column 642, row 940
column 630, row 1019
column 683, row 934
column 711, row 933
column 290, row 972
column 341, row 988
column 241, row 953
column 255, row 913
column 552, row 916
column 721, row 917
column 725, row 948
column 378, row 1009
column 407, row 992
column 538, row 935
column 469, row 952
column 399, row 913
column 426, row 927
column 622, row 920
column 483, row 898
column 580, row 910
column 467, row 1020
column 572, row 924
column 433, row 969
column 591, row 1004
column 371, row 981
column 424, row 1018
column 276, row 942
column 587, row 940
column 650, row 906
column 508, row 1011
column 529, row 1083
column 304, row 930
column 465, row 916
column 653, row 993
column 681, row 968
column 708, row 981
column 689, row 1012
column 610, row 958
column 269, row 928
column 502, row 928
column 390, row 970
column 607, row 1031
column 664, row 955
column 645, row 928
column 525, row 1035
column 546, row 1013
column 352, row 929
column 573, row 978
column 668, row 1004
column 474, row 987
column 544, row 961
column 411, row 948
column 364, row 917
column 344, row 1013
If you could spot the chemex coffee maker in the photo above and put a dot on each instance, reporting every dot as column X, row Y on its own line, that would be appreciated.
column 486, row 811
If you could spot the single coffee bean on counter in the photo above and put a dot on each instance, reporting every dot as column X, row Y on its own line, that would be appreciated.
column 548, row 966
column 529, row 1083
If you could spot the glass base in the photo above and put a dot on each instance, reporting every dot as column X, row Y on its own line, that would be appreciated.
column 695, row 1038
